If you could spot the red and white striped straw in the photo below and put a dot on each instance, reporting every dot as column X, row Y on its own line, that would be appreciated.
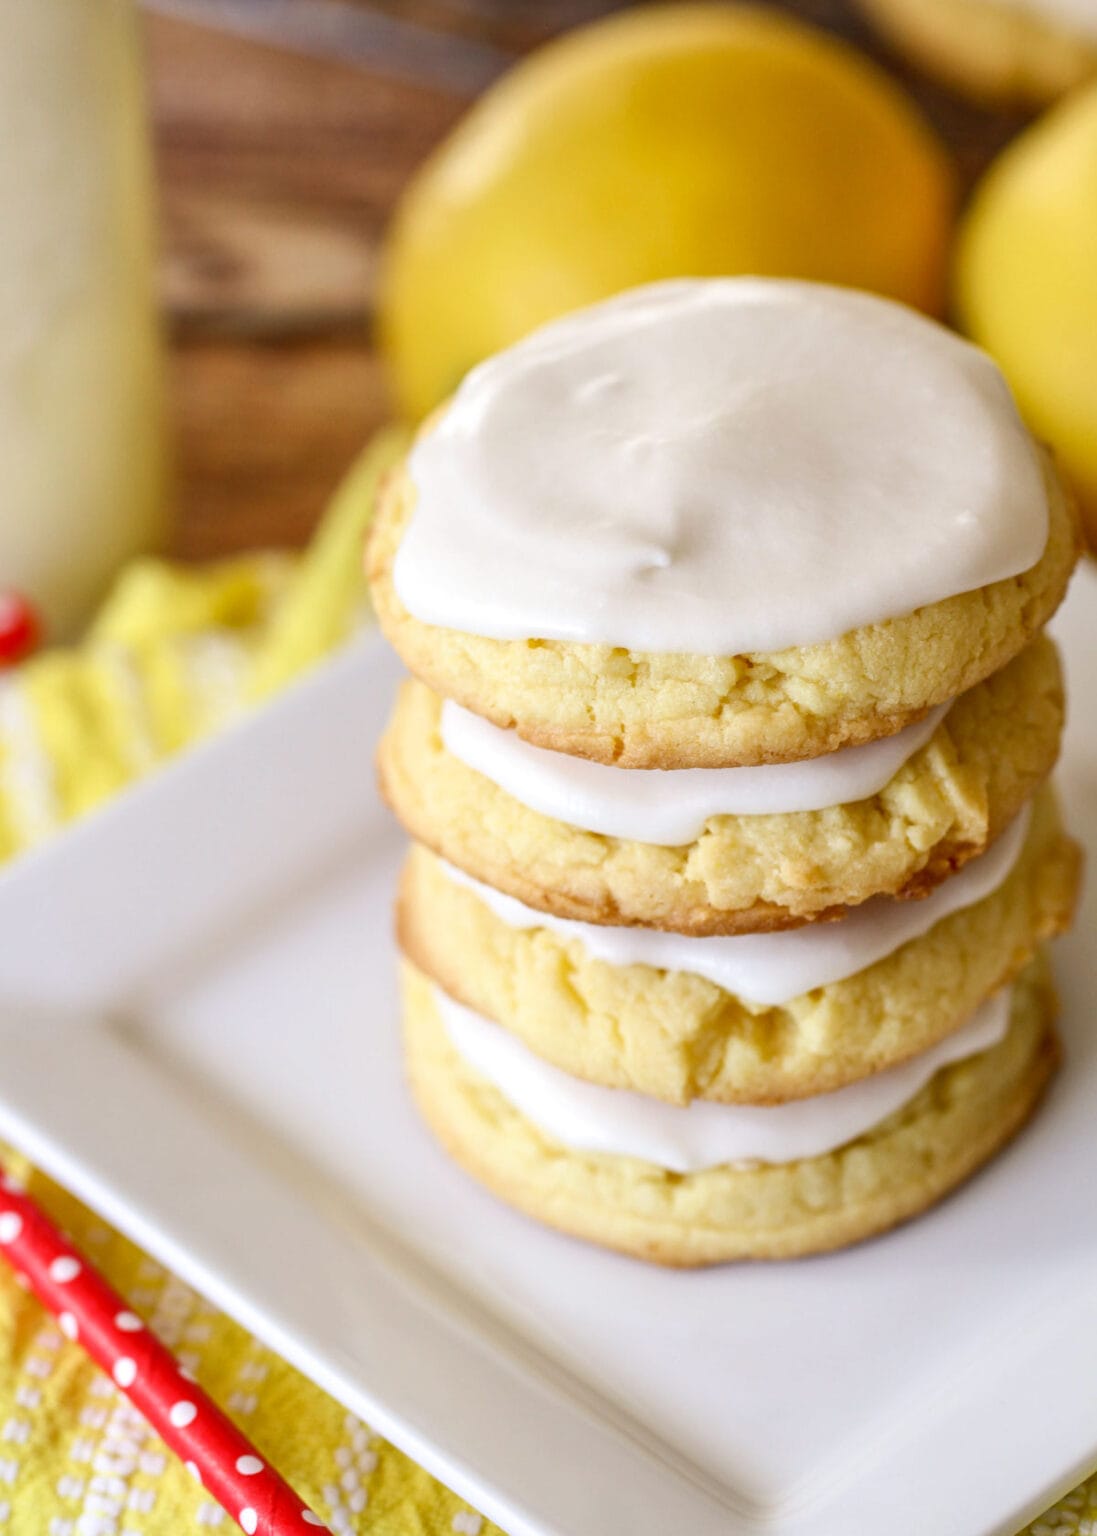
column 91, row 1313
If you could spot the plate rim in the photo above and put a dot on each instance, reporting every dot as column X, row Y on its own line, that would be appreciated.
column 1002, row 1472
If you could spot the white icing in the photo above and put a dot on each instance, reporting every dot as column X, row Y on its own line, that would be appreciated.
column 671, row 806
column 770, row 969
column 685, row 1139
column 720, row 466
column 1077, row 15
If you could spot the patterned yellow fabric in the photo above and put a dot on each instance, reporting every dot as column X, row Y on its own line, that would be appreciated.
column 173, row 655
column 77, row 1460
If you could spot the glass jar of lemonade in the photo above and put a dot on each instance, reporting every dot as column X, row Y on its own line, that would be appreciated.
column 81, row 397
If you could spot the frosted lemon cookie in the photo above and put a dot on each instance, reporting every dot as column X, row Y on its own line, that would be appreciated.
column 721, row 522
column 755, row 1018
column 714, row 1182
column 736, row 873
column 996, row 50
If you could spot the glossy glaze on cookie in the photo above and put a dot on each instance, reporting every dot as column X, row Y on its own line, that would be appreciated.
column 720, row 467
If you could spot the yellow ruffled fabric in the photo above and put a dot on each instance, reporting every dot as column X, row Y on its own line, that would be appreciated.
column 174, row 655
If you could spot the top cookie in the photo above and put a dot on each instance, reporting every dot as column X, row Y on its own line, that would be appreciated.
column 719, row 523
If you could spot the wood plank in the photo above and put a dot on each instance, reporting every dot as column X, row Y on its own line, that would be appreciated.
column 278, row 173
column 264, row 432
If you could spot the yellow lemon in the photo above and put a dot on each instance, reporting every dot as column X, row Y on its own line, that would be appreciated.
column 685, row 140
column 1026, row 281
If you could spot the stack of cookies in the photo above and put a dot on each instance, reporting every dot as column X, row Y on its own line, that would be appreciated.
column 726, row 761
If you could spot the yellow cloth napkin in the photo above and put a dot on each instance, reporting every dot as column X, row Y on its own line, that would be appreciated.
column 173, row 655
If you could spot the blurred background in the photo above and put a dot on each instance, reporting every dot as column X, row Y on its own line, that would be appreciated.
column 279, row 168
column 348, row 205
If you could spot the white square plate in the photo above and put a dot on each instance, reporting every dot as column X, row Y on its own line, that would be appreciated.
column 198, row 1036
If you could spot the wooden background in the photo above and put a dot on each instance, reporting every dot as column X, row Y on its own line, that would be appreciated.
column 278, row 169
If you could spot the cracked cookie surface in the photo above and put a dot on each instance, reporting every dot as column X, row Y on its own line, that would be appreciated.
column 677, row 710
column 900, row 1168
column 744, row 873
column 678, row 1036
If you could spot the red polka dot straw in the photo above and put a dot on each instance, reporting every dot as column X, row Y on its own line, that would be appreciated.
column 90, row 1313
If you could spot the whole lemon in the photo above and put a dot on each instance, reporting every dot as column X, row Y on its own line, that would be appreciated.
column 684, row 140
column 1026, row 281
